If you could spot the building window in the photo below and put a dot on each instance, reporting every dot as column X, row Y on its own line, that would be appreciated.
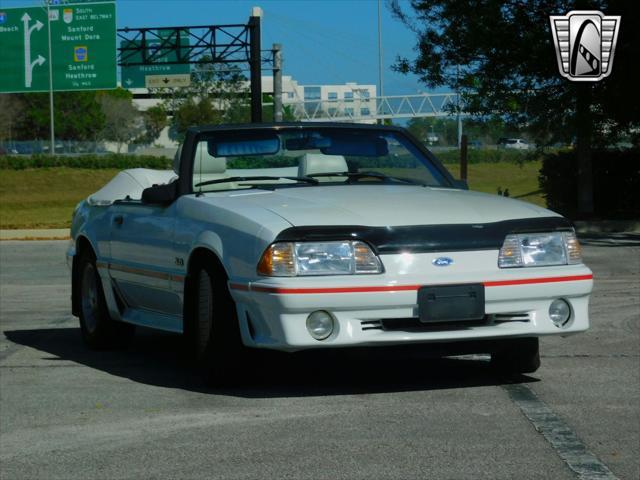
column 289, row 94
column 365, row 94
column 365, row 111
column 312, row 93
column 348, row 96
column 349, row 111
column 333, row 95
column 332, row 111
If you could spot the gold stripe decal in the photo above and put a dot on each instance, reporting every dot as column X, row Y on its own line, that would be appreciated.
column 140, row 271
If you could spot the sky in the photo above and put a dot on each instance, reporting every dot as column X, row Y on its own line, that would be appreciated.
column 324, row 41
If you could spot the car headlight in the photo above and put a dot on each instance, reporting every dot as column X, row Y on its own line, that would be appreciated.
column 289, row 259
column 539, row 249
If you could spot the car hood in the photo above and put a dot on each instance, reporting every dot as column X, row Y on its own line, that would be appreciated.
column 385, row 205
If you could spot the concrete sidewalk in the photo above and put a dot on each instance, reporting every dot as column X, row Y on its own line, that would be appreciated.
column 42, row 234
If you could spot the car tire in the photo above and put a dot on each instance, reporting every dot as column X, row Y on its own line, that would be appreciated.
column 215, row 332
column 517, row 356
column 99, row 330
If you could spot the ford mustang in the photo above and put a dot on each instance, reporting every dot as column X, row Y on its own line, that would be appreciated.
column 302, row 236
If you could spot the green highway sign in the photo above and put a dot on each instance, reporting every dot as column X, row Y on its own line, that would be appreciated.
column 83, row 47
column 141, row 76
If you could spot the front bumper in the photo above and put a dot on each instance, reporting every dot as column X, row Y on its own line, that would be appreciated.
column 383, row 310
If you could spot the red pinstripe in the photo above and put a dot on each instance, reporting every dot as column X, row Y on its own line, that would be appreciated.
column 401, row 288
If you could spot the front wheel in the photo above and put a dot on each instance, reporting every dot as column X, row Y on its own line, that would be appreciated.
column 520, row 355
column 99, row 330
column 215, row 333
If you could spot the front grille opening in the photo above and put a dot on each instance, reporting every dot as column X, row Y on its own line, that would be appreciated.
column 510, row 317
column 413, row 324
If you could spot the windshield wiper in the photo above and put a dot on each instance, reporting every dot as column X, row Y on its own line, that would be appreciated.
column 311, row 181
column 360, row 175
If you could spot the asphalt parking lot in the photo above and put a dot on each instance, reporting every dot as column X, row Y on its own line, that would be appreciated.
column 66, row 412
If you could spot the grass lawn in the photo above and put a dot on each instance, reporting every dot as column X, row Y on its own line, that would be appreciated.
column 521, row 180
column 45, row 197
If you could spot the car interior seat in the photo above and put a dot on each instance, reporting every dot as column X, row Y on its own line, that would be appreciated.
column 313, row 163
column 207, row 167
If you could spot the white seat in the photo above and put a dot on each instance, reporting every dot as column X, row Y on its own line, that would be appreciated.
column 207, row 167
column 312, row 163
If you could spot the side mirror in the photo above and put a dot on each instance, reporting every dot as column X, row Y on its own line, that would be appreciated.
column 461, row 184
column 160, row 194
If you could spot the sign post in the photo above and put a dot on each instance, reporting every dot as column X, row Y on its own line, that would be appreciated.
column 52, row 122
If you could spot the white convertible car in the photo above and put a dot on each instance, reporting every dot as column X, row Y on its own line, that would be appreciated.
column 302, row 236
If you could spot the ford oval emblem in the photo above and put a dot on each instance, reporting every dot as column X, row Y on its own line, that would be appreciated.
column 442, row 261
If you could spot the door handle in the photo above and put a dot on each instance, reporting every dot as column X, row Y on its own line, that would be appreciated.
column 118, row 219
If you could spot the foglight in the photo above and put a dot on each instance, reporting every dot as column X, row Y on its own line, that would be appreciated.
column 289, row 259
column 320, row 325
column 559, row 312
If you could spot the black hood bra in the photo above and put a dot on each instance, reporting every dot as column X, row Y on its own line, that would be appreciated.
column 427, row 238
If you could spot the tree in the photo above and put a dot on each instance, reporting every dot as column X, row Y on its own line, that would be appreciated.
column 77, row 116
column 501, row 56
column 154, row 120
column 10, row 108
column 123, row 122
column 218, row 94
column 194, row 112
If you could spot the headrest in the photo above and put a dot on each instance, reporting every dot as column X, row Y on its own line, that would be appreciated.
column 204, row 163
column 312, row 163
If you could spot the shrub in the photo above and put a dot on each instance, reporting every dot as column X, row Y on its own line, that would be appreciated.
column 616, row 182
column 21, row 162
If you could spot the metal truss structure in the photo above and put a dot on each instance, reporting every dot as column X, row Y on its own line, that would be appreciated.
column 373, row 108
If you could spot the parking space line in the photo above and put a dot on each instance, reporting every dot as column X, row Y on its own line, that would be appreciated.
column 561, row 437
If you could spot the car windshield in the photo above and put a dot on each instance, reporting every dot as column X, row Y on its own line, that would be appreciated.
column 310, row 157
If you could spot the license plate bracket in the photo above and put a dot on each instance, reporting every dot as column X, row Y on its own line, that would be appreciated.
column 451, row 303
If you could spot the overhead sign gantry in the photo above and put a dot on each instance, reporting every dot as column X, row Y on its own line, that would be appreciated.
column 204, row 44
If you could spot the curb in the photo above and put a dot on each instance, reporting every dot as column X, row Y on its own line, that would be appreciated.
column 39, row 234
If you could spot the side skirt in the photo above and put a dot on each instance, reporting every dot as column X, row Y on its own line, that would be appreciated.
column 159, row 321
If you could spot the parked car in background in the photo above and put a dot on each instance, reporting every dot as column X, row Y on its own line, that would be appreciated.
column 432, row 138
column 513, row 143
column 304, row 236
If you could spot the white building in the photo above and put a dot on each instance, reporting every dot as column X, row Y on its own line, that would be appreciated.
column 350, row 101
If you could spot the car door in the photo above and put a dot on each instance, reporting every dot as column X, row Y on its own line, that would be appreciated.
column 143, row 264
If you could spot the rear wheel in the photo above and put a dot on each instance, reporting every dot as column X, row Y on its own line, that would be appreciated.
column 99, row 330
column 520, row 355
column 215, row 333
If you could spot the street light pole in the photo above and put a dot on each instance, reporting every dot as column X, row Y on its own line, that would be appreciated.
column 277, row 82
